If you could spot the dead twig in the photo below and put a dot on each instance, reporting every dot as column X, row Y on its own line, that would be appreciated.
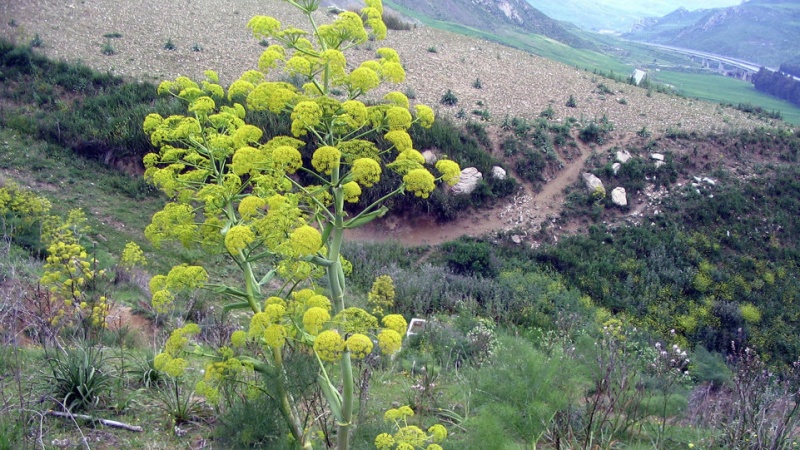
column 106, row 422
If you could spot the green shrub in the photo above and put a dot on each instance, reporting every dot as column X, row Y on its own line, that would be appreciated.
column 470, row 257
column 79, row 377
column 252, row 422
column 521, row 391
column 571, row 103
column 449, row 98
column 394, row 21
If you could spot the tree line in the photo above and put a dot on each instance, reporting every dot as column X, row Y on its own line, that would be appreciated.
column 781, row 83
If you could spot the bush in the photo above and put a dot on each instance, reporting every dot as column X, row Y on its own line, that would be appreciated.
column 470, row 257
column 517, row 395
column 252, row 422
column 449, row 98
column 79, row 377
column 571, row 103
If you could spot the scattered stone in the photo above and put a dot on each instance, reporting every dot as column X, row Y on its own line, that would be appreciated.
column 623, row 156
column 615, row 167
column 499, row 173
column 593, row 183
column 430, row 157
column 470, row 177
column 619, row 196
column 657, row 156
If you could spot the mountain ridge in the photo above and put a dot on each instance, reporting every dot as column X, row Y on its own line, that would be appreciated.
column 497, row 16
column 763, row 31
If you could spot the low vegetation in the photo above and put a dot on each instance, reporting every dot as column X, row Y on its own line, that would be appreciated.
column 673, row 332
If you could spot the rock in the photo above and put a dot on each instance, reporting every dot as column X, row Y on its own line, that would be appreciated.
column 515, row 238
column 615, row 167
column 430, row 157
column 659, row 164
column 619, row 197
column 623, row 156
column 499, row 173
column 709, row 181
column 470, row 177
column 593, row 183
column 657, row 156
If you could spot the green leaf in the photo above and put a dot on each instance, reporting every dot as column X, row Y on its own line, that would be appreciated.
column 363, row 219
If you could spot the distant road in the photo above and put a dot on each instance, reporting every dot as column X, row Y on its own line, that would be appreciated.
column 740, row 63
column 746, row 65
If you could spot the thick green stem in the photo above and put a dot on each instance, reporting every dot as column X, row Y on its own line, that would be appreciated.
column 337, row 298
column 252, row 287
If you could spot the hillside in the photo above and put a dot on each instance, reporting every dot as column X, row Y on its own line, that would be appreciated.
column 513, row 82
column 762, row 31
column 498, row 17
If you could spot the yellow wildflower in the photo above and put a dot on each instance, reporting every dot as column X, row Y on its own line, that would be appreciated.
column 329, row 345
column 325, row 159
column 359, row 345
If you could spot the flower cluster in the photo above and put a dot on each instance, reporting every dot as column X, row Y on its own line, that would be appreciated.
column 170, row 361
column 409, row 437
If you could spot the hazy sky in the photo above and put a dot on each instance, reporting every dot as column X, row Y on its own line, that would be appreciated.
column 671, row 5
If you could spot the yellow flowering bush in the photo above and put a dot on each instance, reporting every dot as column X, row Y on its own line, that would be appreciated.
column 409, row 437
column 274, row 206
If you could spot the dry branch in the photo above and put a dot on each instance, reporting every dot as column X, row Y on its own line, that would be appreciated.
column 106, row 422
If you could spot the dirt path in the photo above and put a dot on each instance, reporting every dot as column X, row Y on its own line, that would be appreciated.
column 524, row 212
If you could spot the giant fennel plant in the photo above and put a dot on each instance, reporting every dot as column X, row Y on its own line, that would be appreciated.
column 280, row 218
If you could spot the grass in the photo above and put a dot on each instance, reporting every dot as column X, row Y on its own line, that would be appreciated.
column 74, row 182
column 721, row 89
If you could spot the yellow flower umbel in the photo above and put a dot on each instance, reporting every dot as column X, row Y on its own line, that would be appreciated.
column 305, row 240
column 359, row 345
column 325, row 159
column 420, row 182
column 329, row 345
column 390, row 341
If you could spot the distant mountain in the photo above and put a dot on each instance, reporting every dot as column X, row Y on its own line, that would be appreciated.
column 617, row 15
column 497, row 17
column 762, row 31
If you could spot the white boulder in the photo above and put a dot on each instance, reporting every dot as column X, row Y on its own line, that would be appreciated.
column 430, row 157
column 593, row 184
column 470, row 177
column 499, row 173
column 619, row 197
column 623, row 156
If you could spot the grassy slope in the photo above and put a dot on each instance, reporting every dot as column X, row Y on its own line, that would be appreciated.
column 721, row 89
column 71, row 182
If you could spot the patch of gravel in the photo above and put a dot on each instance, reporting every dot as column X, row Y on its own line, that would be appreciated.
column 515, row 83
